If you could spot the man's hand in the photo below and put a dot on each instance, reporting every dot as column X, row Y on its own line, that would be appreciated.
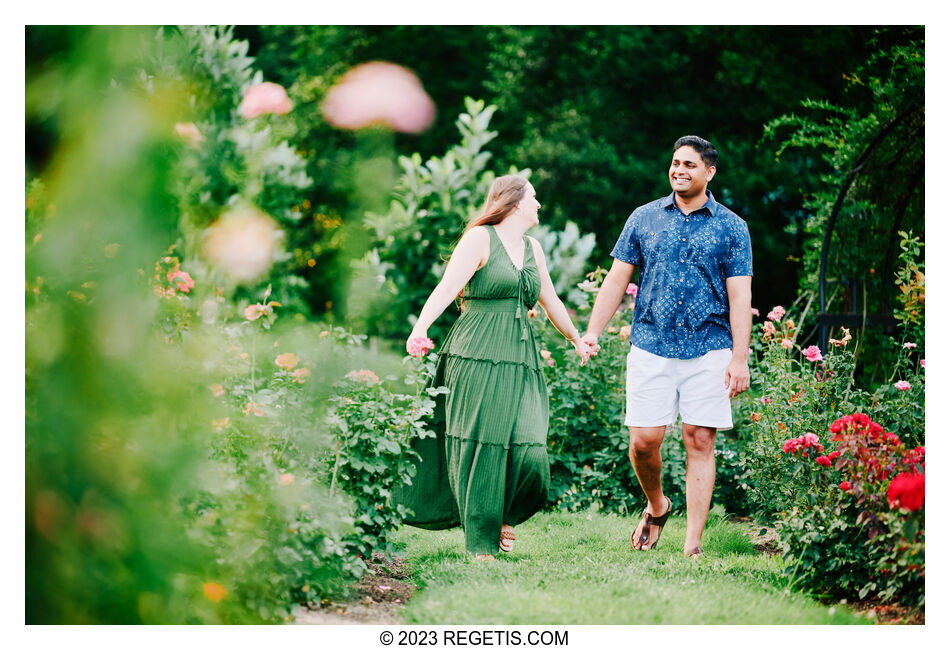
column 591, row 341
column 737, row 377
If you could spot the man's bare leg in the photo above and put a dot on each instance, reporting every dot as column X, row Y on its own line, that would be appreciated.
column 645, row 456
column 700, row 442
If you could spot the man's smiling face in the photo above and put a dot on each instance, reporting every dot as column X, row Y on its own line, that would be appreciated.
column 688, row 173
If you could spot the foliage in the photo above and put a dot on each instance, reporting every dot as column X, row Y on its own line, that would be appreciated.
column 234, row 160
column 871, row 173
column 910, row 282
column 374, row 427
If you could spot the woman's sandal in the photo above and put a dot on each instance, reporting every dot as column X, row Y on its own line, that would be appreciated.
column 650, row 520
column 507, row 541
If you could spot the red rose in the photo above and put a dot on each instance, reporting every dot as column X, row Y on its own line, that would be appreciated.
column 906, row 491
column 845, row 485
column 823, row 461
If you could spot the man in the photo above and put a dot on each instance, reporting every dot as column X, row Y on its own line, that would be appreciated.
column 690, row 332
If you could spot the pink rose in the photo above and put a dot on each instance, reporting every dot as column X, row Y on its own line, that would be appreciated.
column 365, row 376
column 420, row 346
column 810, row 440
column 264, row 98
column 189, row 132
column 787, row 344
column 812, row 353
column 632, row 290
column 300, row 374
column 902, row 385
column 253, row 312
column 776, row 314
column 769, row 328
column 181, row 280
column 910, row 346
column 766, row 400
column 922, row 364
column 379, row 93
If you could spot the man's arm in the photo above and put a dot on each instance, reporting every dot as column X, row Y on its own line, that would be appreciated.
column 608, row 299
column 739, row 290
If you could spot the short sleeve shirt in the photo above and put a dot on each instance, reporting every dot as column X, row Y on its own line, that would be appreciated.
column 682, row 308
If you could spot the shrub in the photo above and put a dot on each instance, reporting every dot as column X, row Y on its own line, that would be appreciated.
column 373, row 427
column 856, row 529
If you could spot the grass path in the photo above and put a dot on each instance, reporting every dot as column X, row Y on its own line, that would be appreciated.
column 578, row 568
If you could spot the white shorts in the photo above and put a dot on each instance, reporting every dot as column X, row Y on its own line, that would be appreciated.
column 659, row 388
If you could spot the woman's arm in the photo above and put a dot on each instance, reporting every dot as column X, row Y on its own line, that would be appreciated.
column 469, row 255
column 554, row 308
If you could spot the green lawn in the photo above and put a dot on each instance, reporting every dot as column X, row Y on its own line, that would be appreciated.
column 579, row 569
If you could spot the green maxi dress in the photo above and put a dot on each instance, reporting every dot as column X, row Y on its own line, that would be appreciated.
column 488, row 464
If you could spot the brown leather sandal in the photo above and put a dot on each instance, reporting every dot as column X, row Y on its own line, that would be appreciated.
column 509, row 537
column 650, row 520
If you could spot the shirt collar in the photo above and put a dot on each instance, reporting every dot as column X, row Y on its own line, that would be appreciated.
column 710, row 204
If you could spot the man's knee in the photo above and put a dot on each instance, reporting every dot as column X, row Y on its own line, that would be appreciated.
column 701, row 440
column 645, row 442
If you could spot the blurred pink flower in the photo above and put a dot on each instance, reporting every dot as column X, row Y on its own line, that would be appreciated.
column 766, row 400
column 922, row 364
column 768, row 328
column 264, row 98
column 551, row 362
column 217, row 390
column 300, row 374
column 287, row 360
column 624, row 333
column 902, row 385
column 812, row 353
column 286, row 479
column 189, row 132
column 244, row 243
column 545, row 355
column 631, row 290
column 909, row 345
column 379, row 93
column 776, row 314
column 181, row 280
column 253, row 312
column 253, row 407
column 420, row 346
column 787, row 344
column 366, row 376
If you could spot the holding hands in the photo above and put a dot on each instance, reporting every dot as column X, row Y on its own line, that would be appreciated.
column 584, row 349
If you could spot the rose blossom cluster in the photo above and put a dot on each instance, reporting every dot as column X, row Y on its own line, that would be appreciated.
column 420, row 346
column 802, row 442
column 777, row 313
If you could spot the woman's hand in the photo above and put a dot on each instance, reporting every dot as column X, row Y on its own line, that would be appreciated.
column 583, row 349
column 419, row 343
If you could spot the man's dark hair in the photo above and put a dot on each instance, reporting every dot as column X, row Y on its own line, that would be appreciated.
column 703, row 147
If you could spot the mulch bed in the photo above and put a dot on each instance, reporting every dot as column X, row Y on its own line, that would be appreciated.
column 376, row 600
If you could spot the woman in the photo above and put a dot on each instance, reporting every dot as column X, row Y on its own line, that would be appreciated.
column 487, row 469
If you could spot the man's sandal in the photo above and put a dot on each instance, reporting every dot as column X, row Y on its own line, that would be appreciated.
column 650, row 520
column 507, row 541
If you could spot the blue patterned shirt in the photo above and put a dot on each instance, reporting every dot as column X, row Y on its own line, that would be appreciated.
column 682, row 308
